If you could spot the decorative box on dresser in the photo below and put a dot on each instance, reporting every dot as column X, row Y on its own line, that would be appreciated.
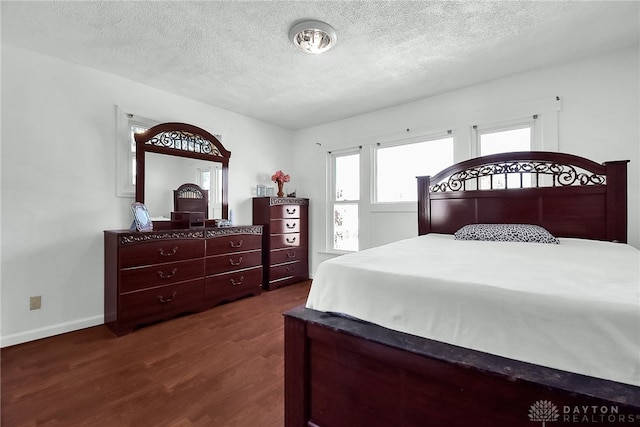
column 156, row 275
column 284, row 241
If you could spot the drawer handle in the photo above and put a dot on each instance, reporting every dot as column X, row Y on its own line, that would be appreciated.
column 291, row 211
column 236, row 245
column 232, row 262
column 291, row 226
column 292, row 240
column 291, row 255
column 290, row 269
column 169, row 299
column 239, row 282
column 173, row 251
column 168, row 276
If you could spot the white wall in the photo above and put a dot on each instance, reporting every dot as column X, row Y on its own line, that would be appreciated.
column 59, row 182
column 599, row 119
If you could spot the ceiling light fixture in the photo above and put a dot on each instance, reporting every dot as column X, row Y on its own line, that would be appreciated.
column 313, row 36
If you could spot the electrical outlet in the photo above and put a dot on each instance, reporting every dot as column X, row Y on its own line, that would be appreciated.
column 35, row 303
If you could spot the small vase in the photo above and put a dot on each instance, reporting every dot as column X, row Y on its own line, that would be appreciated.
column 280, row 192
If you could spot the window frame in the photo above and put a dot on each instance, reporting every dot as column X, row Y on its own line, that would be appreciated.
column 125, row 186
column 410, row 205
column 532, row 122
column 331, row 197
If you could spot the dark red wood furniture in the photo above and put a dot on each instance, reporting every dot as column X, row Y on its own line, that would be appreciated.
column 193, row 199
column 285, row 239
column 182, row 140
column 576, row 204
column 343, row 372
column 186, row 264
column 156, row 275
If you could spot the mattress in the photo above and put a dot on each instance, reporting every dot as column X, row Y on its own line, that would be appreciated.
column 574, row 306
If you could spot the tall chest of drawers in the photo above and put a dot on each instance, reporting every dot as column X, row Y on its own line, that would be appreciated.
column 285, row 239
column 153, row 276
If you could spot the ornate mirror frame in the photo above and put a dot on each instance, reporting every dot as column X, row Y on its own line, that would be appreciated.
column 183, row 140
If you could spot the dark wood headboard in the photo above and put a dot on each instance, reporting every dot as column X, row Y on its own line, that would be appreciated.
column 191, row 198
column 568, row 195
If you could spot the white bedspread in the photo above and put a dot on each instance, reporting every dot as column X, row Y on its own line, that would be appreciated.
column 573, row 306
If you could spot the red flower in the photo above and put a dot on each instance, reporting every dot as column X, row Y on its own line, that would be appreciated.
column 280, row 177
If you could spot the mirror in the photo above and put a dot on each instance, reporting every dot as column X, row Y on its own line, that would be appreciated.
column 166, row 173
column 171, row 154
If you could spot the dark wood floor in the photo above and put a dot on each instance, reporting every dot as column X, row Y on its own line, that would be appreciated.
column 222, row 367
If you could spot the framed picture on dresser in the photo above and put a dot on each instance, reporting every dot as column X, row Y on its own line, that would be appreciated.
column 141, row 219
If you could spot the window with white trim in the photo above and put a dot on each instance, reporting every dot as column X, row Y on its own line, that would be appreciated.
column 136, row 125
column 127, row 126
column 504, row 139
column 345, row 199
column 397, row 165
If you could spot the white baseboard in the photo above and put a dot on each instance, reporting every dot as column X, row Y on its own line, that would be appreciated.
column 49, row 331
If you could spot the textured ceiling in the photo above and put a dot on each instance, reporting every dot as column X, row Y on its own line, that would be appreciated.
column 236, row 55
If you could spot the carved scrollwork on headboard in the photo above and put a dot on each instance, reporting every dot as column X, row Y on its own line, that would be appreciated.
column 190, row 191
column 560, row 175
column 569, row 195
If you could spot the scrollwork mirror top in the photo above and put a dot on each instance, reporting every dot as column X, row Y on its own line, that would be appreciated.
column 183, row 140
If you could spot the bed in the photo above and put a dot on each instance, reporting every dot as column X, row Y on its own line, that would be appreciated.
column 191, row 198
column 496, row 340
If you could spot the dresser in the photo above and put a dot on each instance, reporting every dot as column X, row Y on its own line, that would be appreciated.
column 157, row 275
column 285, row 239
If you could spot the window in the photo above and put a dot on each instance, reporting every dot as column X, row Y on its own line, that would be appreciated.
column 134, row 128
column 502, row 140
column 345, row 200
column 210, row 179
column 396, row 167
column 127, row 126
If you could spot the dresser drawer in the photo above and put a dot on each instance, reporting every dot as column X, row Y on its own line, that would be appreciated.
column 161, row 301
column 233, row 243
column 147, row 253
column 133, row 279
column 289, row 254
column 295, row 268
column 232, row 285
column 287, row 211
column 230, row 262
column 291, row 225
column 278, row 241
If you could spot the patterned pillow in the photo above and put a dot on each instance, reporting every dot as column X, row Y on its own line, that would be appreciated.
column 505, row 233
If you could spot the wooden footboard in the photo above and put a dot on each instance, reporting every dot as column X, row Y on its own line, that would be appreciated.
column 341, row 372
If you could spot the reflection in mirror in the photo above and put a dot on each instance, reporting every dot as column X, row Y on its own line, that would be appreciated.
column 166, row 173
column 171, row 154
